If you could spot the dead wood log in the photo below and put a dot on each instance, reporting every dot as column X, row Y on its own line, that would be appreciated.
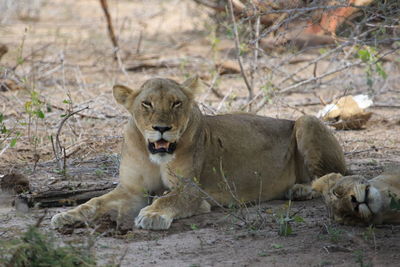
column 59, row 198
column 156, row 63
column 227, row 67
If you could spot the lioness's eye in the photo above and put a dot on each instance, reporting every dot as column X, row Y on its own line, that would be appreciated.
column 176, row 104
column 146, row 104
column 335, row 194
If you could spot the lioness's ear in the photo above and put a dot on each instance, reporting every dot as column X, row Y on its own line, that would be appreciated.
column 124, row 95
column 323, row 184
column 191, row 85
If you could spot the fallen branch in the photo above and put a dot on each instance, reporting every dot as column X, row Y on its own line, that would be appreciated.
column 58, row 198
column 154, row 64
column 381, row 105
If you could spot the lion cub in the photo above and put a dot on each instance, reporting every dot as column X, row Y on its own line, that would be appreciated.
column 169, row 144
column 356, row 200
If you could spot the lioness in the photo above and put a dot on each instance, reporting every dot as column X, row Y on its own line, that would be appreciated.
column 356, row 200
column 204, row 160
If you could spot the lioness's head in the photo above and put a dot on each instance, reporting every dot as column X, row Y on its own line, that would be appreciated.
column 161, row 109
column 350, row 199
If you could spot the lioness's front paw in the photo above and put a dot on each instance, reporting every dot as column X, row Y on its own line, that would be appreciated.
column 62, row 219
column 154, row 220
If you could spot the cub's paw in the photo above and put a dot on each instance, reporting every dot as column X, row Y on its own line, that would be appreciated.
column 301, row 192
column 153, row 220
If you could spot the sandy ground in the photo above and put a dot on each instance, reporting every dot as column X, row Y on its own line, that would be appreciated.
column 68, row 56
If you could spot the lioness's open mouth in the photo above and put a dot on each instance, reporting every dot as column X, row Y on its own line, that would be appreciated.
column 162, row 146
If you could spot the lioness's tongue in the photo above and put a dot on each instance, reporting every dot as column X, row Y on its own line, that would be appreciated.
column 161, row 144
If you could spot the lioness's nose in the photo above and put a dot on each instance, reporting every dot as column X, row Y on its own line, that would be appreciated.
column 162, row 129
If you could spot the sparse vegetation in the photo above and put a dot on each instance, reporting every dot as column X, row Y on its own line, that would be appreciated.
column 276, row 246
column 394, row 202
column 35, row 248
column 360, row 259
column 285, row 220
column 334, row 233
column 194, row 227
column 8, row 137
column 369, row 233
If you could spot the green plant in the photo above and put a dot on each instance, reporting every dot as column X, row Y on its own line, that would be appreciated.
column 284, row 219
column 360, row 259
column 99, row 172
column 263, row 253
column 34, row 108
column 368, row 55
column 6, row 134
column 394, row 202
column 334, row 234
column 268, row 88
column 369, row 233
column 276, row 246
column 33, row 248
column 194, row 226
column 20, row 59
column 214, row 41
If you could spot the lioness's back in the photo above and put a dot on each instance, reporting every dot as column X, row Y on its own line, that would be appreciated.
column 251, row 150
column 249, row 122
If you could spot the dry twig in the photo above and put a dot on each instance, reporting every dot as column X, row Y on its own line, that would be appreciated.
column 58, row 149
column 110, row 28
column 239, row 57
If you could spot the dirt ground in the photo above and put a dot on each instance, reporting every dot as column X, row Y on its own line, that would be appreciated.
column 64, row 54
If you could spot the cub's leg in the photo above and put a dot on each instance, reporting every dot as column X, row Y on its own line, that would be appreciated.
column 319, row 153
column 122, row 204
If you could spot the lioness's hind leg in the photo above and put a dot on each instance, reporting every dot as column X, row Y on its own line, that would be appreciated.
column 318, row 147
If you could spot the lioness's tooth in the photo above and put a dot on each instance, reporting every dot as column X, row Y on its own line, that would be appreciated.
column 161, row 144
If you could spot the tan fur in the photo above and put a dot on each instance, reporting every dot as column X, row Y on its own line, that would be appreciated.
column 356, row 200
column 224, row 159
